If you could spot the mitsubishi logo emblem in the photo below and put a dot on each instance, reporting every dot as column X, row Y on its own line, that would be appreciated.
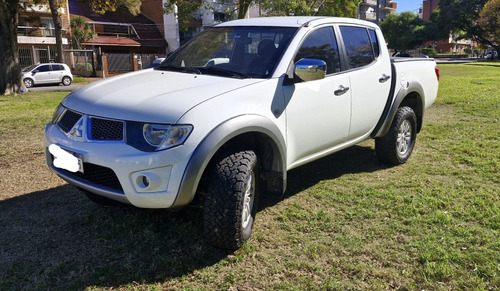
column 76, row 131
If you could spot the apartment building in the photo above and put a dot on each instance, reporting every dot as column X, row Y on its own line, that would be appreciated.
column 376, row 10
column 36, row 33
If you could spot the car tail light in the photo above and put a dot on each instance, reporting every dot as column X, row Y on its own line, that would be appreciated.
column 437, row 72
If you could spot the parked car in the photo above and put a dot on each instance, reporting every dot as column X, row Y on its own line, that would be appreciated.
column 224, row 118
column 491, row 55
column 50, row 73
column 156, row 62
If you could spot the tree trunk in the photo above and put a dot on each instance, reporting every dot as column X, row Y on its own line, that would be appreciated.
column 54, row 6
column 243, row 6
column 10, row 76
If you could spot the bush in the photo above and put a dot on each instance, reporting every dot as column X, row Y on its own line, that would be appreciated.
column 429, row 51
column 83, row 67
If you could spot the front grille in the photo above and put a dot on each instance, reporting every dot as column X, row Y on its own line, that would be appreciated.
column 68, row 120
column 98, row 175
column 104, row 129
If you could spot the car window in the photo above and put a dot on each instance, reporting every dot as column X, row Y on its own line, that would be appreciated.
column 44, row 68
column 358, row 46
column 375, row 44
column 322, row 45
column 232, row 52
column 57, row 68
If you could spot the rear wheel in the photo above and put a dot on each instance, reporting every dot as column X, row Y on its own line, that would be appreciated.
column 397, row 145
column 231, row 201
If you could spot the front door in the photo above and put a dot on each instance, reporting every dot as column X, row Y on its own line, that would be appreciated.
column 317, row 113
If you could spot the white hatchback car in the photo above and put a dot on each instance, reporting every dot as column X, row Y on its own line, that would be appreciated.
column 52, row 73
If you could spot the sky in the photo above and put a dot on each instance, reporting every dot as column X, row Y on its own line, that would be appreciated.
column 408, row 5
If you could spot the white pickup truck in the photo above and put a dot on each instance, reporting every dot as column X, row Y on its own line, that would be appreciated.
column 223, row 119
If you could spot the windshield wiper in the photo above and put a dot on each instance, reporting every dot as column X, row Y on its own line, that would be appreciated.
column 180, row 69
column 223, row 72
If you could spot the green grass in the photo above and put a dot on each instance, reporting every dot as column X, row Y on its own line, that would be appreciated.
column 346, row 222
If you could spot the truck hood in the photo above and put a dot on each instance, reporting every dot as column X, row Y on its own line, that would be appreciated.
column 150, row 95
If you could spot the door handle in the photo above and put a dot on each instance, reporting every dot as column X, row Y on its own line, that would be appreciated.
column 341, row 90
column 384, row 78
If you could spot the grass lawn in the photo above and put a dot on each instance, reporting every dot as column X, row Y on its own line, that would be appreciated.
column 346, row 222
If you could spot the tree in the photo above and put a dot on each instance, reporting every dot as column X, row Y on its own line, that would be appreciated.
column 462, row 17
column 81, row 32
column 341, row 8
column 403, row 31
column 185, row 10
column 489, row 20
column 55, row 5
column 11, row 81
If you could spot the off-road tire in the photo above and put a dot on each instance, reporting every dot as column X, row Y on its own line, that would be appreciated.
column 231, row 200
column 396, row 146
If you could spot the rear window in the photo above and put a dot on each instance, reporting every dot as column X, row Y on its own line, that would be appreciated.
column 358, row 45
column 57, row 68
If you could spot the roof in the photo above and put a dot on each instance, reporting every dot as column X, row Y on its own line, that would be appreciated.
column 148, row 34
column 292, row 21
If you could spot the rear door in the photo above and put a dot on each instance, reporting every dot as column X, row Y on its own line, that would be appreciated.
column 317, row 117
column 57, row 73
column 369, row 75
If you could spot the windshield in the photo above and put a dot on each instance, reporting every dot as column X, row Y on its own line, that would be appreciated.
column 27, row 69
column 240, row 52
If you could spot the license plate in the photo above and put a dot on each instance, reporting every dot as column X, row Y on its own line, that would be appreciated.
column 67, row 160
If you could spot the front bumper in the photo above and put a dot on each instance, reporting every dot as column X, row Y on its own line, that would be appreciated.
column 120, row 172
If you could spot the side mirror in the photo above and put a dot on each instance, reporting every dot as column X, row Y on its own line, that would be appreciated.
column 310, row 69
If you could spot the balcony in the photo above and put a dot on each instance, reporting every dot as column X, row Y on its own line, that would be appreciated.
column 35, row 31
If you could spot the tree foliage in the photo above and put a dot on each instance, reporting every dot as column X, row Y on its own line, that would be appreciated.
column 185, row 10
column 463, row 17
column 340, row 8
column 81, row 32
column 489, row 19
column 404, row 31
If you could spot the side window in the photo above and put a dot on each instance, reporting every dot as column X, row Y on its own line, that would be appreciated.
column 57, row 68
column 375, row 45
column 358, row 46
column 44, row 68
column 321, row 44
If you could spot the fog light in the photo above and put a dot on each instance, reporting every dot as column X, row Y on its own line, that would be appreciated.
column 151, row 180
column 145, row 181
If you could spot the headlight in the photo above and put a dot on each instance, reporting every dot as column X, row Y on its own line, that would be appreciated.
column 57, row 113
column 166, row 136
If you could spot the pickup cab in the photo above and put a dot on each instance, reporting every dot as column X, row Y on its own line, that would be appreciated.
column 223, row 119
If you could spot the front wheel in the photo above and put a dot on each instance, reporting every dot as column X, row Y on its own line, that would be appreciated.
column 231, row 200
column 28, row 83
column 397, row 145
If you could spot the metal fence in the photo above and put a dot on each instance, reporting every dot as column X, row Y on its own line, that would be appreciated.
column 82, row 62
column 29, row 55
column 120, row 62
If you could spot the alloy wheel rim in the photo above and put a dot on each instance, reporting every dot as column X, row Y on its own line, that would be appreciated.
column 248, row 199
column 404, row 137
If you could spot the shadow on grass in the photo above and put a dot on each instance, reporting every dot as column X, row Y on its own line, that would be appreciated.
column 356, row 159
column 58, row 239
column 492, row 64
